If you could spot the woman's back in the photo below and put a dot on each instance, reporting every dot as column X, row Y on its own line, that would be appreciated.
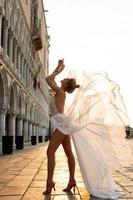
column 56, row 104
column 60, row 101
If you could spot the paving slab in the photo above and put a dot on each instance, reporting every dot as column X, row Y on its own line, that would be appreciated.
column 23, row 177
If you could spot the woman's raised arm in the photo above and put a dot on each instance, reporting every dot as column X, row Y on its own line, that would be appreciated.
column 51, row 78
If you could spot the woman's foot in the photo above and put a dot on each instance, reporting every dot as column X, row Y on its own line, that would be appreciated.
column 49, row 188
column 71, row 184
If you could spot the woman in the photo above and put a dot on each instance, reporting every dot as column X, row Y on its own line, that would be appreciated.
column 96, row 121
column 67, row 85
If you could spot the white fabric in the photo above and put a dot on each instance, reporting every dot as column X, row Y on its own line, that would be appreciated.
column 96, row 121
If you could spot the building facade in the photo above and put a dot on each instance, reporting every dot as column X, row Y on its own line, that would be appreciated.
column 24, row 54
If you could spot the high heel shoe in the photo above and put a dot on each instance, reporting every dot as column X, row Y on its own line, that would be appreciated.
column 70, row 186
column 50, row 186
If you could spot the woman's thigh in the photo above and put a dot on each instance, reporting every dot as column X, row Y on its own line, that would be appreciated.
column 67, row 145
column 55, row 140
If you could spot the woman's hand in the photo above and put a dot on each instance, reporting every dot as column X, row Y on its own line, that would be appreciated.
column 60, row 62
column 51, row 78
column 60, row 66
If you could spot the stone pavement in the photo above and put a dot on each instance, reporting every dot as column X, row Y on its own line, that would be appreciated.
column 23, row 177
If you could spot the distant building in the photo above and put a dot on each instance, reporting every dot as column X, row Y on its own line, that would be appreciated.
column 24, row 59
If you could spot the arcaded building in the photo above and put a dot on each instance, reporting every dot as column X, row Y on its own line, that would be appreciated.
column 24, row 59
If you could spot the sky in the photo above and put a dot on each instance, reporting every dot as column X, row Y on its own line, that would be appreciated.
column 94, row 35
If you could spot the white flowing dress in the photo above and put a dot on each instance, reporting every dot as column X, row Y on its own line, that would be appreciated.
column 95, row 121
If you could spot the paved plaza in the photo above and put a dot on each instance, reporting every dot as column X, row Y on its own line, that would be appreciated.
column 23, row 177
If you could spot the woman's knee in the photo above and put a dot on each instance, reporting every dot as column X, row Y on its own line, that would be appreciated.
column 50, row 152
column 69, row 155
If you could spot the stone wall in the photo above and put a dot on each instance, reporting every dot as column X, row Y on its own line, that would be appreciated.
column 23, row 96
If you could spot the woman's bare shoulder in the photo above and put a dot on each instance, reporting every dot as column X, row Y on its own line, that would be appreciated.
column 60, row 93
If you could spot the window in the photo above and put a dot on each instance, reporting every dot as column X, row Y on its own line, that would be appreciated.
column 2, row 33
column 26, row 1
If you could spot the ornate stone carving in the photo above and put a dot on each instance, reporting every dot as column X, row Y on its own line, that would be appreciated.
column 1, row 11
column 35, row 26
column 10, row 34
column 5, row 23
column 3, row 109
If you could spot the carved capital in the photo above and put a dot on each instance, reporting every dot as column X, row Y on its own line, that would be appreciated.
column 5, row 24
column 1, row 11
column 26, row 120
column 16, row 42
column 19, row 117
column 3, row 109
column 30, row 121
column 11, row 34
column 12, row 113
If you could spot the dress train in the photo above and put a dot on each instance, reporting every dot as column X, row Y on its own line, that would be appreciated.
column 96, row 120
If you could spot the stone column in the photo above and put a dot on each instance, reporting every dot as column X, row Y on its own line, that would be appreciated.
column 15, row 52
column 40, row 135
column 21, row 66
column 27, row 73
column 2, row 126
column 45, row 132
column 24, row 67
column 19, row 126
column 36, row 132
column 2, row 122
column 30, row 129
column 5, row 36
column 26, row 130
column 34, row 137
column 34, row 129
column 10, row 45
column 39, row 130
column 8, row 140
column 19, row 60
column 11, row 124
column 0, row 23
column 19, row 136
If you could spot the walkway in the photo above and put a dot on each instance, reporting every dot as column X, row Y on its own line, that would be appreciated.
column 23, row 177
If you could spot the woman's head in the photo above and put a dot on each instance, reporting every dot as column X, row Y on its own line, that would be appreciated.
column 69, row 84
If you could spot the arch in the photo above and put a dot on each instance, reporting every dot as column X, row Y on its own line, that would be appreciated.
column 14, row 5
column 16, row 31
column 32, row 112
column 1, row 91
column 2, row 3
column 8, row 43
column 21, row 103
column 26, row 48
column 11, row 4
column 7, row 10
column 41, row 118
column 22, row 30
column 27, row 108
column 13, row 97
column 2, row 32
column 18, row 22
column 3, row 87
column 36, row 114
column 12, row 20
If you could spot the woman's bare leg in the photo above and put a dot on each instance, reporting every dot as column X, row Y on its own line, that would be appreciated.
column 55, row 141
column 71, row 160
